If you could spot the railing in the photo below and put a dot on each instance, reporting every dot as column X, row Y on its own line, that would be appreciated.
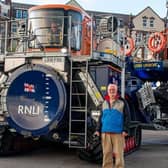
column 27, row 35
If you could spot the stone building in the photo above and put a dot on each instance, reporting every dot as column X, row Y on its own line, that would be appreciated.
column 5, row 9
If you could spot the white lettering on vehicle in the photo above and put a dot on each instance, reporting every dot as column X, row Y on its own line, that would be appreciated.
column 31, row 110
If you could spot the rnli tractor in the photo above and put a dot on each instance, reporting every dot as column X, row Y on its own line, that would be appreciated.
column 54, row 89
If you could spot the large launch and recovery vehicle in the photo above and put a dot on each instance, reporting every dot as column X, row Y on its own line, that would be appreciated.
column 54, row 90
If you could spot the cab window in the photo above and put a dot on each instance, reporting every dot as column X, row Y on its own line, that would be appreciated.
column 47, row 25
column 76, row 30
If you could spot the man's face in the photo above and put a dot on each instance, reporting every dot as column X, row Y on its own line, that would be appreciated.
column 112, row 91
column 53, row 27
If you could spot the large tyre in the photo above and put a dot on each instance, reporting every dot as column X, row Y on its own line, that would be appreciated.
column 6, row 143
column 13, row 143
column 93, row 151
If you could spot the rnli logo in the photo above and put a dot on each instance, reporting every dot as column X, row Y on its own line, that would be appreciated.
column 29, row 88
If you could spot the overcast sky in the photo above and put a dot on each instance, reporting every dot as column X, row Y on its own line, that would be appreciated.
column 114, row 6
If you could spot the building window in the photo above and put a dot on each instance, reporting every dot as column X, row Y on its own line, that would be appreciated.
column 138, row 38
column 24, row 15
column 151, row 23
column 18, row 14
column 144, row 21
column 2, row 28
column 14, row 28
column 121, row 23
column 4, row 14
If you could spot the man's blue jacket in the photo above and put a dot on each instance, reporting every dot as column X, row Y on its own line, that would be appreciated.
column 112, row 119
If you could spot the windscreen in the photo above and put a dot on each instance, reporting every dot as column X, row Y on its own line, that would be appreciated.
column 47, row 27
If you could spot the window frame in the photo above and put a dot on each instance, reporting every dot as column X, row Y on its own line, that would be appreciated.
column 144, row 21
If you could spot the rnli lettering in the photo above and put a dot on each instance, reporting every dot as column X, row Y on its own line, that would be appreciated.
column 148, row 65
column 29, row 110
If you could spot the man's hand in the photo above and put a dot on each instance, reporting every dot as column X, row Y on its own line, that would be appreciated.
column 124, row 134
column 97, row 133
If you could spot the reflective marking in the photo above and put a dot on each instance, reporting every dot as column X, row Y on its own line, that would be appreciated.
column 48, row 97
column 48, row 75
column 46, row 118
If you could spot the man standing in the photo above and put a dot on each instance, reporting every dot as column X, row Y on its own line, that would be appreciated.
column 111, row 126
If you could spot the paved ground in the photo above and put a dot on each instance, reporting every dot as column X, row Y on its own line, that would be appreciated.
column 153, row 154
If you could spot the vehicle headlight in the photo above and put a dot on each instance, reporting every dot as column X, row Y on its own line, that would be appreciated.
column 158, row 83
column 64, row 50
column 95, row 114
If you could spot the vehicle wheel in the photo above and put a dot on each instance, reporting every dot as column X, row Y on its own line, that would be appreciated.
column 6, row 143
column 93, row 151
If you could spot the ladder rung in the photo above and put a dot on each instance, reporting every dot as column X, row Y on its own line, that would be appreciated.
column 78, row 68
column 76, row 94
column 72, row 142
column 79, row 110
column 78, row 120
column 77, row 133
column 78, row 107
column 75, row 81
column 78, row 147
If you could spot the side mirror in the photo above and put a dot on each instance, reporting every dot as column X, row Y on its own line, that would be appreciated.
column 112, row 26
